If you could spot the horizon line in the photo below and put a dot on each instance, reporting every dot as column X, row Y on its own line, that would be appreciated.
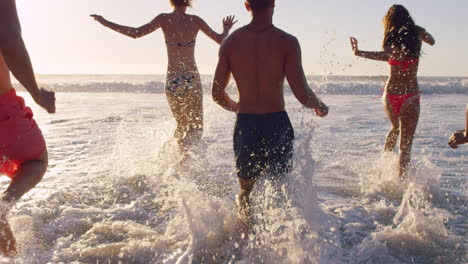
column 156, row 74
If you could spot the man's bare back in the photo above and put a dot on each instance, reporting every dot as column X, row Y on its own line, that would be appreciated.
column 257, row 60
column 260, row 58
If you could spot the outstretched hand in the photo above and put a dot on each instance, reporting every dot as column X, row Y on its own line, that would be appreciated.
column 97, row 18
column 228, row 22
column 354, row 44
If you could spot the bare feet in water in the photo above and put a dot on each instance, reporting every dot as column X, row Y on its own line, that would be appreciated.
column 243, row 230
column 7, row 240
column 245, row 218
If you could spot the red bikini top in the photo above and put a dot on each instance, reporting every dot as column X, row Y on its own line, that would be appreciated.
column 405, row 64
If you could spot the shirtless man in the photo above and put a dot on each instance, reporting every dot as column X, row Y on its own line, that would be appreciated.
column 260, row 57
column 23, row 153
column 461, row 136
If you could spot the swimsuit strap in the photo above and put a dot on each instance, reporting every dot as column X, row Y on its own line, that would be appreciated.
column 405, row 63
column 179, row 44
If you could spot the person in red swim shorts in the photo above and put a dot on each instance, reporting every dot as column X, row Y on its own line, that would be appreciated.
column 23, row 153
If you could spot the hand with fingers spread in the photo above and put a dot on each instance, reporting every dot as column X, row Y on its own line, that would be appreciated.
column 354, row 45
column 228, row 22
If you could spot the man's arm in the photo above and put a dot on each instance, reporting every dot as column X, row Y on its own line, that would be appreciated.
column 16, row 56
column 18, row 61
column 221, row 80
column 9, row 21
column 298, row 82
column 131, row 31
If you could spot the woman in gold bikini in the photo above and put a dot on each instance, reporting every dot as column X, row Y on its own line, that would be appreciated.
column 183, row 86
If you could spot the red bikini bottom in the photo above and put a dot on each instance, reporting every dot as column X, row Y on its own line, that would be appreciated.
column 397, row 101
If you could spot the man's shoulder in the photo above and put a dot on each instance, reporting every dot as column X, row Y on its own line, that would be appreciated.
column 285, row 36
column 237, row 33
column 235, row 37
column 285, row 39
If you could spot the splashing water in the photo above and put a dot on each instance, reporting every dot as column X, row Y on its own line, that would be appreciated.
column 119, row 193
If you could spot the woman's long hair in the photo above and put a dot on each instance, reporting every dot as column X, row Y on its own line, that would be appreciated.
column 401, row 32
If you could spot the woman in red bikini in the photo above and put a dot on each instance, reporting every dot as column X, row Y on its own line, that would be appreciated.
column 401, row 49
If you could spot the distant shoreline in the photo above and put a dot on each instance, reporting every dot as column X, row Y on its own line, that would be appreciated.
column 344, row 85
column 207, row 74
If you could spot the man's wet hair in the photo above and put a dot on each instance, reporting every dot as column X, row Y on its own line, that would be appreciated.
column 259, row 5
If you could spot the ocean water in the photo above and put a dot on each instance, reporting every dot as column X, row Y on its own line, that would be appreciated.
column 116, row 191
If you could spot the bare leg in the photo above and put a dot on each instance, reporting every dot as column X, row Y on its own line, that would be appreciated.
column 188, row 112
column 28, row 175
column 391, row 139
column 194, row 119
column 7, row 240
column 408, row 122
column 244, row 204
column 392, row 136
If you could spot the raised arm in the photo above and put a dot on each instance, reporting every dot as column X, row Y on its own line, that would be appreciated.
column 372, row 55
column 17, row 58
column 131, row 31
column 228, row 22
column 297, row 80
column 221, row 80
column 426, row 37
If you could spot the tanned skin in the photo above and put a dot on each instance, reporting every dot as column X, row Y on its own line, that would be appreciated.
column 261, row 57
column 401, row 81
column 179, row 27
column 15, row 58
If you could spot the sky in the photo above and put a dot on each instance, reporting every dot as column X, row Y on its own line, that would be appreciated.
column 63, row 39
